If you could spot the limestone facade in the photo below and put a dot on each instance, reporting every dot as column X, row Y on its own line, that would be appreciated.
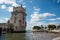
column 18, row 18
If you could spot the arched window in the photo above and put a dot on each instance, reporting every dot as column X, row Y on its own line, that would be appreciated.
column 19, row 21
column 15, row 20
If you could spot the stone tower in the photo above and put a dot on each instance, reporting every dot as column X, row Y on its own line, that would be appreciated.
column 18, row 19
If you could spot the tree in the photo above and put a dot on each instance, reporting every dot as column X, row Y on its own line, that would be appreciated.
column 45, row 27
column 58, row 27
column 51, row 26
column 42, row 27
column 36, row 27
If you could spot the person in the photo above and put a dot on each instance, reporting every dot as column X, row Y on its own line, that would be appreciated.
column 0, row 30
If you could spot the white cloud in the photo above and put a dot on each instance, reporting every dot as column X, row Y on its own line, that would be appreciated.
column 54, row 19
column 55, row 23
column 21, row 1
column 10, row 9
column 31, row 1
column 7, row 1
column 3, row 7
column 58, row 18
column 58, row 1
column 12, row 2
column 4, row 19
column 36, row 10
column 37, row 17
column 24, row 6
column 48, row 14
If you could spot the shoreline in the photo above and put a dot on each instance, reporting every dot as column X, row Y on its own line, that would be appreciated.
column 48, row 31
column 58, row 38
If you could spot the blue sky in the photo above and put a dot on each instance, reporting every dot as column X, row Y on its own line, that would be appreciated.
column 39, row 12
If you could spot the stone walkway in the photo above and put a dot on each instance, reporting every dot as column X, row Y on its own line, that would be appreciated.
column 57, row 38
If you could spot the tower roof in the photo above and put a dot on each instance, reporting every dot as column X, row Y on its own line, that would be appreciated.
column 19, row 9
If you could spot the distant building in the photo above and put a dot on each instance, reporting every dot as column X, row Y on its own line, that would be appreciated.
column 3, row 25
column 18, row 19
column 58, row 26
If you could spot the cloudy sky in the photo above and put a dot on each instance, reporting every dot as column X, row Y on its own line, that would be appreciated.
column 39, row 12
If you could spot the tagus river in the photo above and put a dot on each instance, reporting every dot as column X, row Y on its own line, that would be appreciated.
column 28, row 36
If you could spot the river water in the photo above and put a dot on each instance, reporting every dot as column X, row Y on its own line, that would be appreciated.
column 29, row 36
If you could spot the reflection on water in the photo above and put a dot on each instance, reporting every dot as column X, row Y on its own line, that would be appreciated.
column 15, row 36
column 27, row 36
column 40, row 36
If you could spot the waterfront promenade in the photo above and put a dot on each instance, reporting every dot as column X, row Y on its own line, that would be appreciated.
column 58, row 38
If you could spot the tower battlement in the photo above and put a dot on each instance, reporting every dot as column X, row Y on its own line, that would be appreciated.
column 19, row 8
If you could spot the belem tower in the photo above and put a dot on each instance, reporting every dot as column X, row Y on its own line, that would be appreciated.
column 17, row 21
